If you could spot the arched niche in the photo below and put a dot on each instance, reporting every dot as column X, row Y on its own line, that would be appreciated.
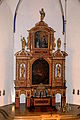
column 22, row 70
column 58, row 100
column 58, row 70
column 22, row 98
column 40, row 72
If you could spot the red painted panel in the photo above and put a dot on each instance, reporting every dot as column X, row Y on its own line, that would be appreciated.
column 53, row 101
column 17, row 102
column 28, row 102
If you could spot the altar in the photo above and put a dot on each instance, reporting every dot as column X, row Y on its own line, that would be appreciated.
column 42, row 101
column 40, row 69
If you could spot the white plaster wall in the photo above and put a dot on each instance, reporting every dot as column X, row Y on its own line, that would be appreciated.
column 12, row 5
column 6, row 54
column 73, row 48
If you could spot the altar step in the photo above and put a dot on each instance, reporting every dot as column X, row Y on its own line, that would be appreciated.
column 44, row 109
column 27, row 118
column 47, row 117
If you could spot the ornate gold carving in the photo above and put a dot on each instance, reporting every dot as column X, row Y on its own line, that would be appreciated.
column 51, row 46
column 28, row 93
column 22, row 92
column 25, row 60
column 28, row 74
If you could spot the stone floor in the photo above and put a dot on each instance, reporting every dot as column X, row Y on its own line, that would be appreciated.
column 40, row 113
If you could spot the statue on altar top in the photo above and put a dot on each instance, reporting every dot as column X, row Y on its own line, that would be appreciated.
column 42, row 13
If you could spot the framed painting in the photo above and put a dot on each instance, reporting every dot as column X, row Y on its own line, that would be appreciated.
column 41, row 39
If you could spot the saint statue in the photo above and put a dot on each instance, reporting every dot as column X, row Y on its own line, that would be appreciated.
column 58, row 71
column 42, row 13
column 23, row 43
column 22, row 71
column 58, row 43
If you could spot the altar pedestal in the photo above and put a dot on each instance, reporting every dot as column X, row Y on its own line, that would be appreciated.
column 17, row 102
column 53, row 101
column 28, row 102
column 42, row 101
column 63, row 100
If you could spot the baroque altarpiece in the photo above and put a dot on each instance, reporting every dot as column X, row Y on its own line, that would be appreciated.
column 40, row 70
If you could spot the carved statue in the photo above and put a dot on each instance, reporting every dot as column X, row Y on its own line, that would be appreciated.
column 58, row 71
column 58, row 43
column 42, row 13
column 23, row 43
column 22, row 71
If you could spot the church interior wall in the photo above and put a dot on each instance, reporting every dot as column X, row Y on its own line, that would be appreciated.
column 73, row 50
column 27, row 16
column 6, row 55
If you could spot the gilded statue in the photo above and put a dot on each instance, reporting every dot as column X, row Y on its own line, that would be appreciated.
column 58, row 43
column 23, row 43
column 58, row 71
column 42, row 13
column 22, row 71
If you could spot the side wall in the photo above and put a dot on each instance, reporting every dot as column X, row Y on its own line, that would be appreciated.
column 73, row 49
column 6, row 54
